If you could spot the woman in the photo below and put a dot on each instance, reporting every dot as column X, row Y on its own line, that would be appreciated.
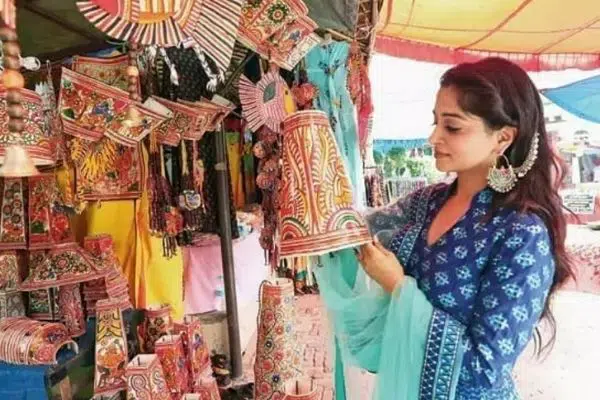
column 471, row 266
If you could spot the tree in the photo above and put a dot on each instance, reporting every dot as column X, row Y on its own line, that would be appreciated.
column 378, row 157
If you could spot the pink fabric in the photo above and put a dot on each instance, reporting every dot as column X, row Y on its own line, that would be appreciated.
column 202, row 266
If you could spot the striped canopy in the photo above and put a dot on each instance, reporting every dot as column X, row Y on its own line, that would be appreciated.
column 537, row 34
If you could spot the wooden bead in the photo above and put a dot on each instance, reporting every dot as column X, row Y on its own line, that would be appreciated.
column 16, row 111
column 134, row 97
column 12, row 62
column 7, row 34
column 16, row 125
column 14, row 97
column 12, row 79
column 11, row 49
column 132, row 88
column 132, row 80
column 132, row 70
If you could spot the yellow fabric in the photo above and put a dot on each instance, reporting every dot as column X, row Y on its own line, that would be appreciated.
column 234, row 156
column 153, row 279
column 522, row 26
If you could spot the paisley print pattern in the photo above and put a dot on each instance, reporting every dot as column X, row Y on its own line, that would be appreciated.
column 71, row 309
column 146, row 379
column 316, row 214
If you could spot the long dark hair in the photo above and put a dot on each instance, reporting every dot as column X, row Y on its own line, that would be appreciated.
column 502, row 94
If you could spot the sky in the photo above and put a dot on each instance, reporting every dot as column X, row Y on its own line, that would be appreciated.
column 404, row 94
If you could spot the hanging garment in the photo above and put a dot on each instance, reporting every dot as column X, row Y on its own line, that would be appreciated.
column 326, row 66
column 210, row 220
column 193, row 76
column 463, row 314
column 153, row 279
column 248, row 168
column 234, row 155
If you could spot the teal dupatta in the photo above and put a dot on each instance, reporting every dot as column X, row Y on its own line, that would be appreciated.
column 415, row 350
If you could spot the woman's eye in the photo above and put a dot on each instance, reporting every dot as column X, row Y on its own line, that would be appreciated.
column 452, row 129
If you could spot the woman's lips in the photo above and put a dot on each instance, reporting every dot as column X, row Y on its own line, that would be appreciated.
column 437, row 154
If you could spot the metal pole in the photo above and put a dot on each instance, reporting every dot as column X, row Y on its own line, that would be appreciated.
column 233, row 325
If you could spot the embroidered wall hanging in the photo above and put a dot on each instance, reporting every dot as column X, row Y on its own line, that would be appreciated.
column 145, row 379
column 187, row 122
column 64, row 265
column 109, row 70
column 12, row 217
column 49, row 224
column 71, row 309
column 210, row 115
column 294, row 42
column 266, row 103
column 169, row 350
column 106, row 170
column 273, row 28
column 212, row 24
column 277, row 355
column 315, row 196
column 111, row 348
column 35, row 138
column 91, row 110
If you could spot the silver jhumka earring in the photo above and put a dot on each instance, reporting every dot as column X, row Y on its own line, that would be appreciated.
column 503, row 179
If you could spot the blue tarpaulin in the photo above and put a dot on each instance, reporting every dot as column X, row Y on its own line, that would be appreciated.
column 581, row 98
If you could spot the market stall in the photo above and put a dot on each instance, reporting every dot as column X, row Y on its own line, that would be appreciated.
column 126, row 159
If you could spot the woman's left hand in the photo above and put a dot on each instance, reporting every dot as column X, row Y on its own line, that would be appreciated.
column 381, row 265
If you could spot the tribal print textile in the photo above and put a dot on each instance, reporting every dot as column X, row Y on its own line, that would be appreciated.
column 110, row 70
column 277, row 355
column 169, row 350
column 10, row 271
column 196, row 349
column 12, row 217
column 90, row 110
column 266, row 103
column 111, row 348
column 11, row 304
column 315, row 214
column 34, row 138
column 212, row 24
column 71, row 309
column 158, row 323
column 49, row 224
column 146, row 379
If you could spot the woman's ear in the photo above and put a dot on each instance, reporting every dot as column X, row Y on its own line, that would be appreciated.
column 505, row 136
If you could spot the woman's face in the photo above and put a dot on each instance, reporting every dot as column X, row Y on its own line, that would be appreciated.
column 461, row 141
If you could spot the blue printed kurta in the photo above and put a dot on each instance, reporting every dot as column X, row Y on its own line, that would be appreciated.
column 487, row 279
